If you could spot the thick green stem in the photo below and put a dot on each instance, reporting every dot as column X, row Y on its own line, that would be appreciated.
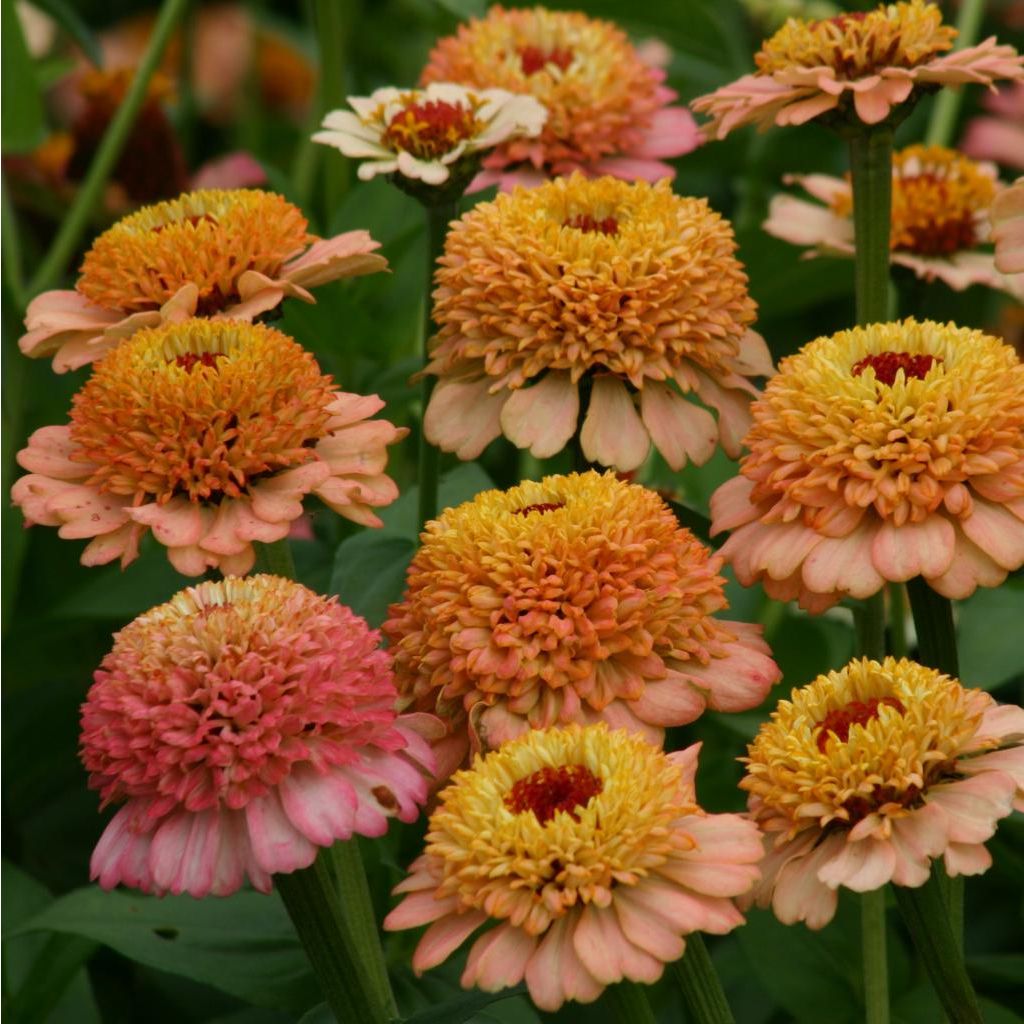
column 698, row 981
column 897, row 621
column 871, row 170
column 927, row 918
column 947, row 103
column 310, row 897
column 109, row 151
column 276, row 558
column 334, row 20
column 438, row 219
column 629, row 1003
column 356, row 905
column 873, row 956
column 11, row 241
column 869, row 621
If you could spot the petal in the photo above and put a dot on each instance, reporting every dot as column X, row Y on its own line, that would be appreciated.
column 555, row 972
column 463, row 416
column 997, row 532
column 607, row 953
column 843, row 564
column 678, row 428
column 543, row 417
column 612, row 431
column 498, row 958
column 443, row 937
column 915, row 549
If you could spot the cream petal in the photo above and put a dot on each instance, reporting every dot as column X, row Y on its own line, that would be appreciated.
column 613, row 433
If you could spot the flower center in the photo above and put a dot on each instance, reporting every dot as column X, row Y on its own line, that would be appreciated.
column 585, row 222
column 857, row 712
column 534, row 58
column 550, row 790
column 543, row 506
column 201, row 409
column 887, row 364
column 859, row 44
column 430, row 130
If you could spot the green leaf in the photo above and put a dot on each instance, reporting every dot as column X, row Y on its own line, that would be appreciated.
column 464, row 9
column 463, row 1007
column 989, row 635
column 68, row 19
column 369, row 573
column 461, row 484
column 24, row 123
column 243, row 945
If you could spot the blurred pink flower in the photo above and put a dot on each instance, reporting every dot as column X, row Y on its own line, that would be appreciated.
column 1001, row 136
column 1008, row 229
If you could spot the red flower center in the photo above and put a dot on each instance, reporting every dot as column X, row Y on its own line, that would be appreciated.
column 188, row 360
column 544, row 506
column 430, row 130
column 550, row 790
column 887, row 364
column 857, row 712
column 535, row 59
column 584, row 222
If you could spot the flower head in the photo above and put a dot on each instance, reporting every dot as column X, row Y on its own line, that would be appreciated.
column 209, row 433
column 223, row 254
column 882, row 453
column 624, row 290
column 940, row 212
column 244, row 724
column 867, row 773
column 1008, row 230
column 423, row 134
column 587, row 850
column 858, row 65
column 607, row 108
column 575, row 599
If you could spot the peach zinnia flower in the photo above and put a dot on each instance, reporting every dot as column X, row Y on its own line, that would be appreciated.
column 882, row 453
column 627, row 292
column 234, row 254
column 868, row 773
column 575, row 599
column 424, row 133
column 607, row 108
column 245, row 724
column 859, row 65
column 940, row 211
column 1008, row 229
column 587, row 850
column 209, row 433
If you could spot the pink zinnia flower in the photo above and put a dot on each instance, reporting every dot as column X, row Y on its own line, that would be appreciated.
column 880, row 454
column 940, row 213
column 576, row 599
column 223, row 254
column 869, row 773
column 210, row 434
column 587, row 853
column 607, row 107
column 860, row 65
column 244, row 724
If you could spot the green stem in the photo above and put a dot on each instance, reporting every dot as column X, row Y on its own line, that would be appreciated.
column 276, row 558
column 947, row 103
column 109, row 151
column 928, row 921
column 11, row 242
column 312, row 903
column 698, row 981
column 936, row 633
column 897, row 621
column 871, row 170
column 438, row 218
column 869, row 622
column 875, row 965
column 333, row 21
column 356, row 905
column 629, row 1004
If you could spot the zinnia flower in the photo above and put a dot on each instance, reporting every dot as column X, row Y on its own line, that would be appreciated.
column 940, row 211
column 607, row 108
column 209, row 433
column 1008, row 229
column 882, row 453
column 231, row 254
column 627, row 292
column 859, row 64
column 868, row 773
column 244, row 724
column 576, row 599
column 423, row 133
column 588, row 851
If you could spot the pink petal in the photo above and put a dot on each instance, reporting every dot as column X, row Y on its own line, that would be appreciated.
column 498, row 958
column 802, row 223
column 997, row 532
column 121, row 856
column 49, row 453
column 678, row 428
column 463, row 416
column 555, row 973
column 179, row 523
column 543, row 417
column 631, row 168
column 443, row 937
column 278, row 847
column 974, row 805
column 731, row 505
column 185, row 851
column 612, row 431
column 915, row 549
column 862, row 866
column 607, row 954
column 321, row 807
column 843, row 564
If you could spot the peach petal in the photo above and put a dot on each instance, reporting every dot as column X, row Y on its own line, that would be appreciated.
column 178, row 523
column 733, row 408
column 966, row 859
column 731, row 505
column 86, row 512
column 915, row 839
column 998, row 533
column 542, row 417
column 670, row 701
column 606, row 952
column 649, row 932
column 754, row 357
column 843, row 564
column 777, row 548
column 463, row 416
column 347, row 255
column 739, row 681
column 555, row 973
column 122, row 543
column 348, row 407
column 971, row 567
column 278, row 847
column 802, row 223
column 677, row 427
column 799, row 894
column 973, row 805
column 613, row 433
column 49, row 453
column 861, row 866
column 421, row 907
column 278, row 499
column 915, row 549
column 498, row 958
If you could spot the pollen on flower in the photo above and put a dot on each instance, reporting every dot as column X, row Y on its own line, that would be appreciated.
column 540, row 506
column 536, row 58
column 838, row 721
column 888, row 364
column 431, row 129
column 188, row 360
column 550, row 790
column 586, row 222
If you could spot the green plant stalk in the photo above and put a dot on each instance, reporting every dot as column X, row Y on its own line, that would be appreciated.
column 333, row 19
column 873, row 956
column 311, row 900
column 276, row 558
column 438, row 218
column 114, row 139
column 947, row 103
column 869, row 623
column 897, row 621
column 698, row 980
column 871, row 171
column 11, row 242
column 629, row 1004
column 927, row 918
column 356, row 904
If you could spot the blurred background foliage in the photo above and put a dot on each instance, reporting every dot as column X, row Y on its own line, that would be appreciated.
column 246, row 78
